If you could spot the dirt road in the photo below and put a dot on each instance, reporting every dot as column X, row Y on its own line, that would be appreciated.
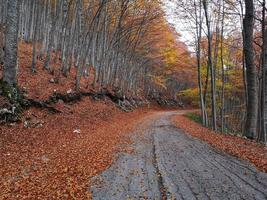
column 168, row 164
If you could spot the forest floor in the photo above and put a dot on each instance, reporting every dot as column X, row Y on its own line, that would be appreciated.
column 167, row 163
column 57, row 154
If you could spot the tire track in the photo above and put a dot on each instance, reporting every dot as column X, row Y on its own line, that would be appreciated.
column 169, row 164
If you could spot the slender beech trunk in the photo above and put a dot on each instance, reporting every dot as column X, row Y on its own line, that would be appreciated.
column 211, row 66
column 243, row 56
column 54, row 15
column 251, row 72
column 198, row 52
column 222, row 68
column 263, row 97
column 263, row 134
column 11, row 43
column 35, row 35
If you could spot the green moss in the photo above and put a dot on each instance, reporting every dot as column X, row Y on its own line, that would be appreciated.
column 194, row 117
column 15, row 98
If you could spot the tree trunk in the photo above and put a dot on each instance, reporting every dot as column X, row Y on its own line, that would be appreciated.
column 11, row 43
column 198, row 54
column 223, row 73
column 263, row 109
column 251, row 72
column 263, row 134
column 35, row 35
column 211, row 66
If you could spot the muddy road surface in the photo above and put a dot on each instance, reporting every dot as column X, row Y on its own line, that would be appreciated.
column 169, row 164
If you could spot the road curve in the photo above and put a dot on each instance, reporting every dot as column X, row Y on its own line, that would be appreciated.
column 168, row 164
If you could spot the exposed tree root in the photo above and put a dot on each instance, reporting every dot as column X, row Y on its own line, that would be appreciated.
column 13, row 102
column 39, row 104
column 11, row 109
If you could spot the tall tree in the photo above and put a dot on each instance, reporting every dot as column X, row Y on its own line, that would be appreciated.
column 222, row 68
column 211, row 66
column 198, row 22
column 11, row 43
column 251, row 72
column 263, row 89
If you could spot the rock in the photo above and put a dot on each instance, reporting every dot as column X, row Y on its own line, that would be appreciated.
column 26, row 124
column 77, row 131
column 5, row 111
column 33, row 122
column 69, row 91
column 52, row 80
